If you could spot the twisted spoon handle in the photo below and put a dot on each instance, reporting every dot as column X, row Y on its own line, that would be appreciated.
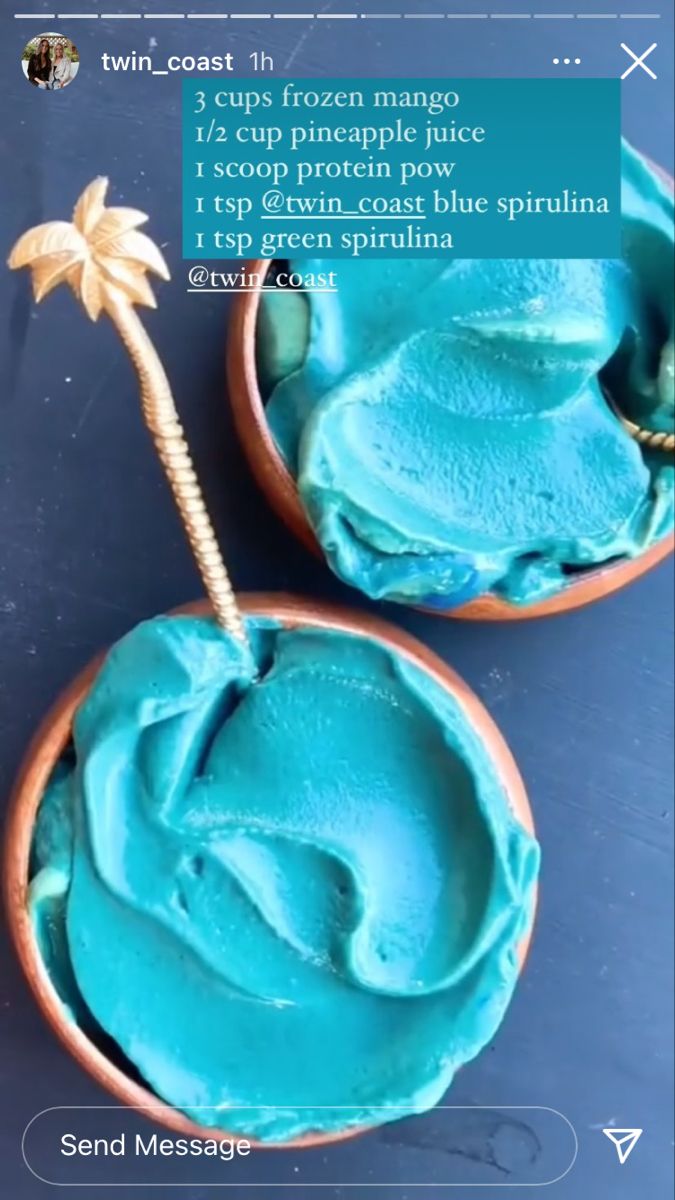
column 104, row 258
column 162, row 420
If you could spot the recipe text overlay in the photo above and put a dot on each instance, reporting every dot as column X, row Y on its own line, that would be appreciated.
column 480, row 168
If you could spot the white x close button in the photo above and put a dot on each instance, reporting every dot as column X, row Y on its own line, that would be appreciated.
column 638, row 60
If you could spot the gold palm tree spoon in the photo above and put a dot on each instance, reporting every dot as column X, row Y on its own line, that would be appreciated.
column 105, row 259
column 651, row 439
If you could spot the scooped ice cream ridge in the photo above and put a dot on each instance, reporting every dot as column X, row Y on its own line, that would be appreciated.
column 447, row 422
column 298, row 900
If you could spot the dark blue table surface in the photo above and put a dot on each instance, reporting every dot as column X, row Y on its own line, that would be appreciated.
column 90, row 544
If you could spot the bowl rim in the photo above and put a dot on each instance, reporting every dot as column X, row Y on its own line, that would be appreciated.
column 46, row 747
column 280, row 489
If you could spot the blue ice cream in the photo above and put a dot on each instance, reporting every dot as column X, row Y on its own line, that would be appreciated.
column 296, row 900
column 447, row 422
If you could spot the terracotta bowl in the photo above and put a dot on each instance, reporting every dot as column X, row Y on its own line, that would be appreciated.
column 279, row 486
column 43, row 754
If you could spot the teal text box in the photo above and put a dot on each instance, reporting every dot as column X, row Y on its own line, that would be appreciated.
column 476, row 168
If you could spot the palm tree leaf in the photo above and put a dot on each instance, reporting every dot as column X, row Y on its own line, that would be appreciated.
column 55, row 237
column 49, row 271
column 86, row 283
column 137, row 246
column 90, row 206
column 132, row 281
column 114, row 223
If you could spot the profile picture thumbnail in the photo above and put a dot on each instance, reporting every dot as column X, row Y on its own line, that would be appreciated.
column 50, row 61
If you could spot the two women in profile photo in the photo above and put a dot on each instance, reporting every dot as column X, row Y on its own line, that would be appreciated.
column 47, row 68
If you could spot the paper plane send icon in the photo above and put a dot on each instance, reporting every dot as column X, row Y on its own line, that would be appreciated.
column 625, row 1141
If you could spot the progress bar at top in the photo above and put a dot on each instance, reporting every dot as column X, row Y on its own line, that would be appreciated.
column 337, row 16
